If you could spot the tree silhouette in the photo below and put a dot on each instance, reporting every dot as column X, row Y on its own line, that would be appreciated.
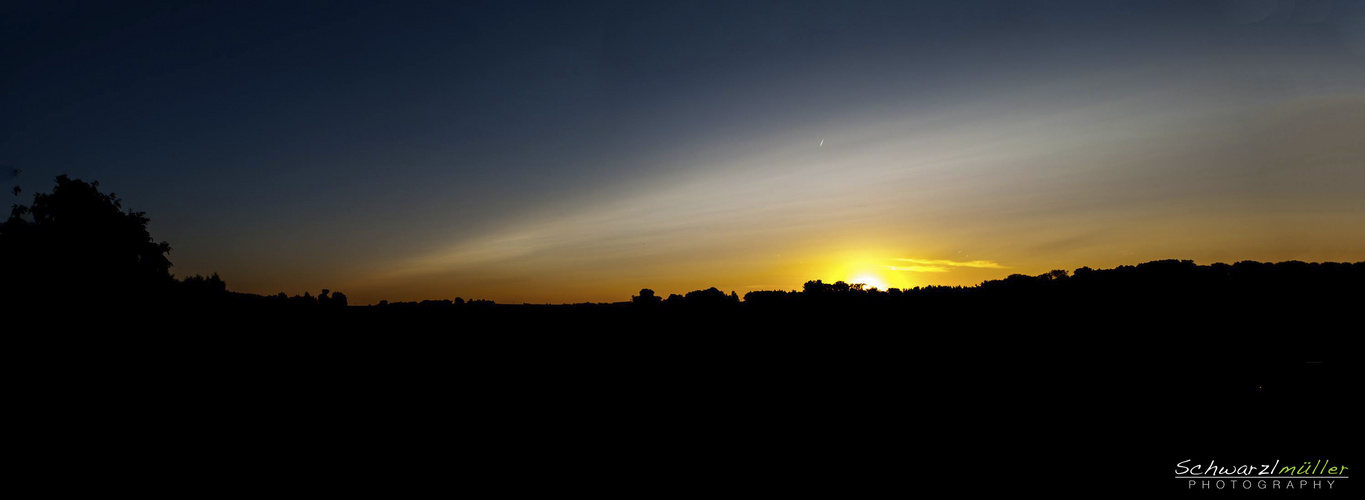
column 204, row 286
column 334, row 300
column 76, row 241
column 646, row 298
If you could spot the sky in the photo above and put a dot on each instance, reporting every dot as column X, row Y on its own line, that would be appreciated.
column 556, row 152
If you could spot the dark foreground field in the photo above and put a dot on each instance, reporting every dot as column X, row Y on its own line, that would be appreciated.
column 1070, row 393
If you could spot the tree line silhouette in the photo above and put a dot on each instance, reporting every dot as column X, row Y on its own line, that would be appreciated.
column 1155, row 359
column 77, row 246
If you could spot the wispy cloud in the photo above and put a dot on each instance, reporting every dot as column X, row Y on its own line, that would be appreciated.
column 941, row 265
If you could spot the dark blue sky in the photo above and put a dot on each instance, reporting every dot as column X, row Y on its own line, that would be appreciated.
column 352, row 144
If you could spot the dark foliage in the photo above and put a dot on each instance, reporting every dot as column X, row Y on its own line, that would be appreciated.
column 76, row 242
column 77, row 249
column 646, row 298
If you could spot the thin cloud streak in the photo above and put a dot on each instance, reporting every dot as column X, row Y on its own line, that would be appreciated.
column 943, row 265
column 919, row 269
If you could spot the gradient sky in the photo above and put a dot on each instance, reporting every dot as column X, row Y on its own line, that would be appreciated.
column 579, row 151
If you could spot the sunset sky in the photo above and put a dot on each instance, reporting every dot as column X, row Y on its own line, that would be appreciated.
column 580, row 151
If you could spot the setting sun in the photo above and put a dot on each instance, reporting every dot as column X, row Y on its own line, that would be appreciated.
column 870, row 280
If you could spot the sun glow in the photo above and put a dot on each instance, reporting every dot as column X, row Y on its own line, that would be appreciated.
column 869, row 280
column 871, row 267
